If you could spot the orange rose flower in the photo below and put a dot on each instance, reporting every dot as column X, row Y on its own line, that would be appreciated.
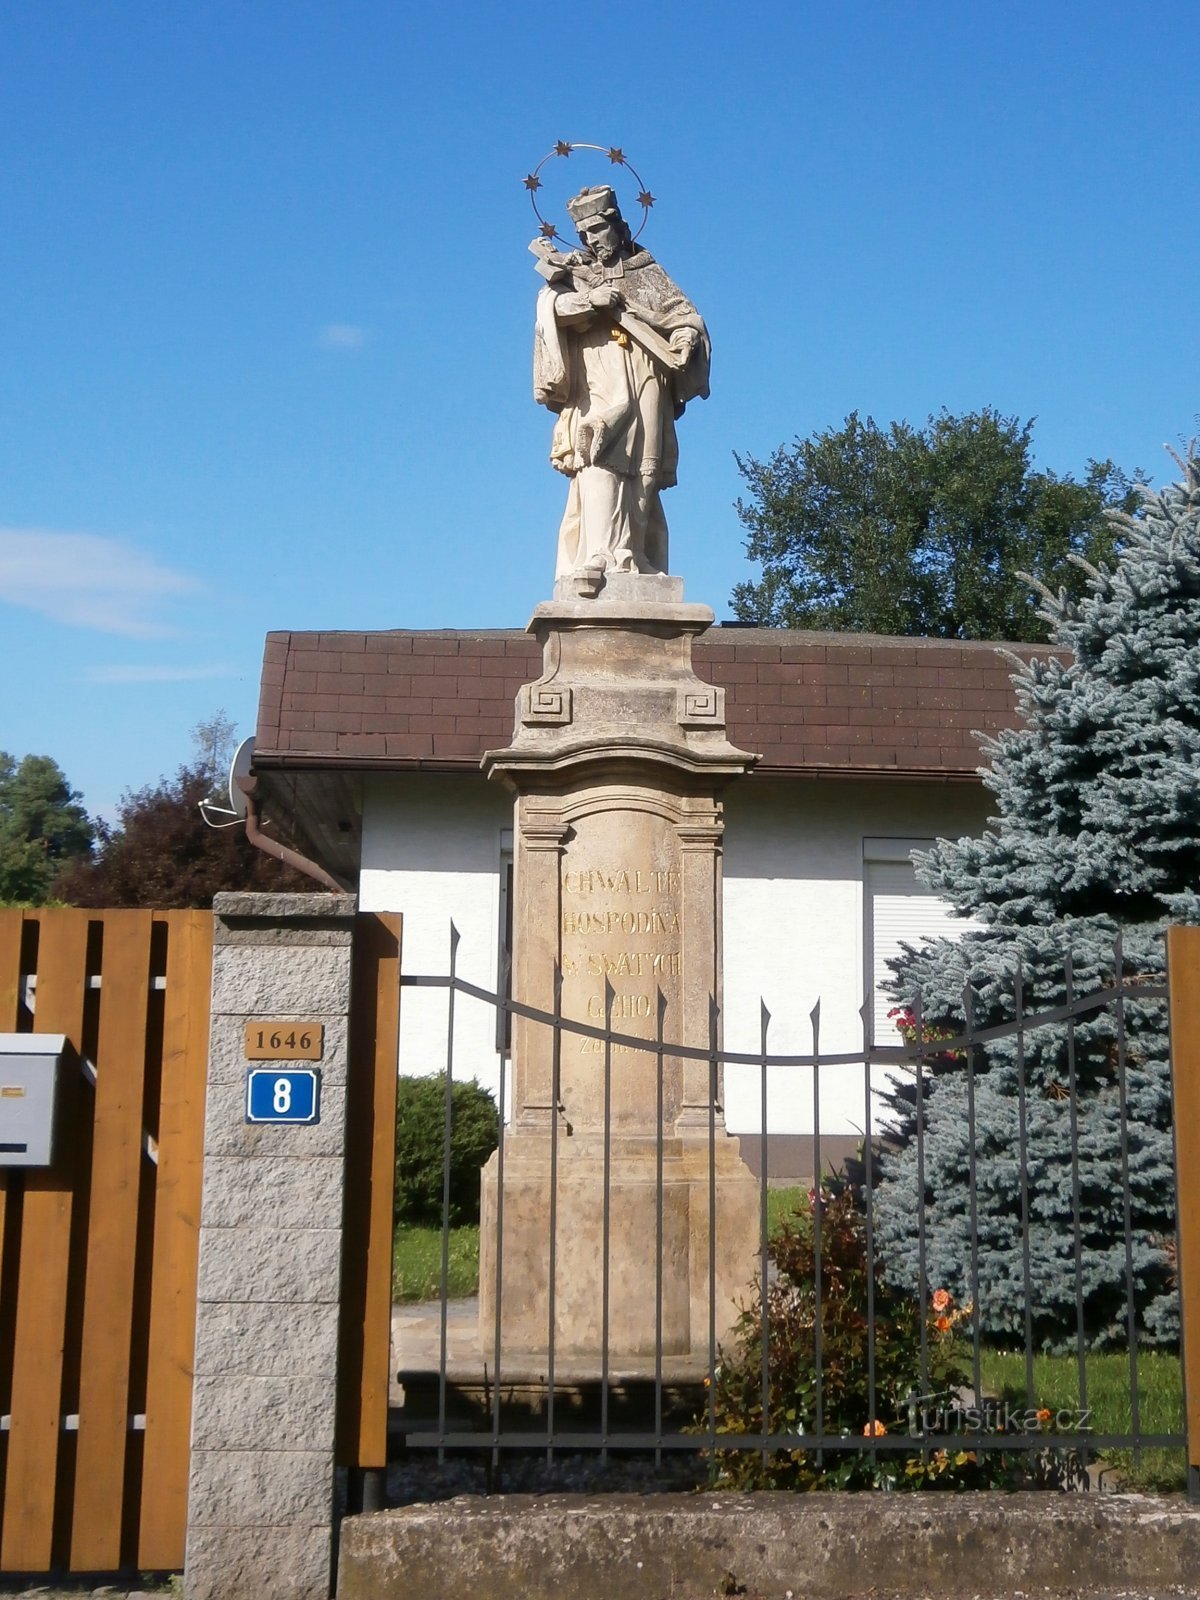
column 942, row 1298
column 873, row 1429
column 943, row 1324
column 1043, row 1415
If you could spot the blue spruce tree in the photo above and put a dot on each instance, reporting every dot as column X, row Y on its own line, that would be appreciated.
column 1097, row 836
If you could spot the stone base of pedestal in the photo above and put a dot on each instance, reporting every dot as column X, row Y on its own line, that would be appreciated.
column 523, row 1223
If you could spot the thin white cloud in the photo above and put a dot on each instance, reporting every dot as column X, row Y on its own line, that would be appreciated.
column 342, row 336
column 152, row 674
column 87, row 581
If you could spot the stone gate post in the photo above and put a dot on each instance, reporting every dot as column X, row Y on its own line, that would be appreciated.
column 260, row 1504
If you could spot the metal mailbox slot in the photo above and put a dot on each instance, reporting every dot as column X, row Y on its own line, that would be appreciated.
column 31, row 1067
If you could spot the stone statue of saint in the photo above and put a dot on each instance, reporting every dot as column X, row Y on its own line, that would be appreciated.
column 618, row 353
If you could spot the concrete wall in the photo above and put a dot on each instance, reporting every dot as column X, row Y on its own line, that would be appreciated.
column 793, row 917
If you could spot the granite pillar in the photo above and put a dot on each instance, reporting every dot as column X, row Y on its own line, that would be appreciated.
column 260, row 1503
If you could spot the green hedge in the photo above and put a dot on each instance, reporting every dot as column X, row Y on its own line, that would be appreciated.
column 420, row 1148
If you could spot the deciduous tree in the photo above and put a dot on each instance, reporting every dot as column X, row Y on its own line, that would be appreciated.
column 905, row 530
column 161, row 853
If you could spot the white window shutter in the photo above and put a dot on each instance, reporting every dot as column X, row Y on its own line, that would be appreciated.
column 899, row 910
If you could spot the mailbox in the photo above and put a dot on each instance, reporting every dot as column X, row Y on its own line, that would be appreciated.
column 31, row 1069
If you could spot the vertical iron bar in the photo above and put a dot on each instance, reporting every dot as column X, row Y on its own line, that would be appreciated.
column 1023, row 1178
column 555, row 1099
column 448, row 1113
column 764, row 1021
column 973, row 1193
column 604, row 1307
column 1076, row 1198
column 658, row 1232
column 814, row 1017
column 922, row 1271
column 869, row 1205
column 499, row 1274
column 712, row 1218
column 1182, row 988
column 1127, row 1200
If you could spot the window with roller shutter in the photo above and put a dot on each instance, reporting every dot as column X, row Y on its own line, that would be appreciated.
column 897, row 910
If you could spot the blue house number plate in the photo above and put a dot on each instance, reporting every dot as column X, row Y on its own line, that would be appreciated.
column 293, row 1095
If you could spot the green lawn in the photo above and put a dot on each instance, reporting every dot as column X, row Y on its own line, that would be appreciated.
column 417, row 1263
column 783, row 1202
column 1056, row 1385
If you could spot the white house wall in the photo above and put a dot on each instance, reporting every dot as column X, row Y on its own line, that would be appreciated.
column 431, row 850
column 793, row 929
column 793, row 924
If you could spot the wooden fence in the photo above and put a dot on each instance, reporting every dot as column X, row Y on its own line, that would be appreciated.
column 364, row 1344
column 98, row 1251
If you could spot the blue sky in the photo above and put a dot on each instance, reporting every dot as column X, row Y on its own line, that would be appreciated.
column 266, row 305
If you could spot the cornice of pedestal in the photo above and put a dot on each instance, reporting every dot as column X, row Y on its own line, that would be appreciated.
column 598, row 758
column 651, row 615
column 618, row 693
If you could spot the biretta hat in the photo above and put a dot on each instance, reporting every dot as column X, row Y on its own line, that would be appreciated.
column 595, row 202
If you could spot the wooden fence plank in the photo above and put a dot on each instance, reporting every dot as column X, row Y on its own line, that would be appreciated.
column 12, row 928
column 1183, row 980
column 365, row 1335
column 111, row 1243
column 176, row 1240
column 34, row 1431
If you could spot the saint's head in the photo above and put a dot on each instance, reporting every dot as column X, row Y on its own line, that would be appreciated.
column 602, row 229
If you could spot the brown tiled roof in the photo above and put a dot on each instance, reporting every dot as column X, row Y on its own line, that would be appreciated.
column 804, row 702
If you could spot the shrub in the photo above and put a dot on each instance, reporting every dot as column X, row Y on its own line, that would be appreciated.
column 420, row 1148
column 792, row 1316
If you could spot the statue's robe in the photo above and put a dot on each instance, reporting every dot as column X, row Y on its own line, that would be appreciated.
column 617, row 404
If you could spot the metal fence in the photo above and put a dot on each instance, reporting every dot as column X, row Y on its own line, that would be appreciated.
column 668, row 1407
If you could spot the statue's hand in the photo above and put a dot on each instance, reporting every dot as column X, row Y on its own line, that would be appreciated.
column 604, row 297
column 685, row 340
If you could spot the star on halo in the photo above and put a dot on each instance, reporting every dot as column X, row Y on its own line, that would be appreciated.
column 548, row 230
column 646, row 199
column 616, row 155
column 532, row 182
column 562, row 148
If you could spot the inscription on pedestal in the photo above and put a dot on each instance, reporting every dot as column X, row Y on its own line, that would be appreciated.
column 622, row 927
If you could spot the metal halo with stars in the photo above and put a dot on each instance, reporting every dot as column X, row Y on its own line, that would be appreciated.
column 563, row 148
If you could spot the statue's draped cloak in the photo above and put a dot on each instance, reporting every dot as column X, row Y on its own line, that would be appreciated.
column 616, row 404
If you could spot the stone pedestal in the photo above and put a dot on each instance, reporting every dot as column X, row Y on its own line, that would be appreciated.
column 617, row 763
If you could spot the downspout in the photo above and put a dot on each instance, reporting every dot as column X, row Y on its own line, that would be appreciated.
column 280, row 852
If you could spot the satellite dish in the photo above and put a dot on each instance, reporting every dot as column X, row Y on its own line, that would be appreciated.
column 235, row 811
column 239, row 767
